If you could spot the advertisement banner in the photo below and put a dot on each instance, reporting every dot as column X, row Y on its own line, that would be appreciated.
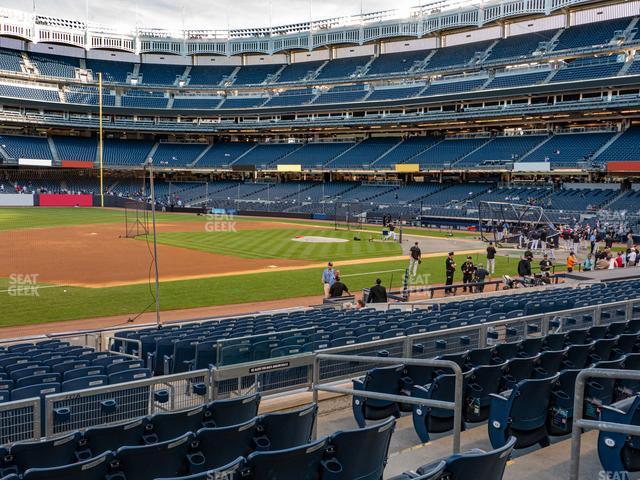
column 628, row 166
column 16, row 200
column 34, row 162
column 76, row 164
column 532, row 167
column 65, row 200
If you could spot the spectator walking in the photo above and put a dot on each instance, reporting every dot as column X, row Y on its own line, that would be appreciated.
column 328, row 279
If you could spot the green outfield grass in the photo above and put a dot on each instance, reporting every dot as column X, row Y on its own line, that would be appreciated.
column 279, row 243
column 72, row 303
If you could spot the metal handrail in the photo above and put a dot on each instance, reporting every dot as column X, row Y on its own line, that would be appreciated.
column 578, row 409
column 456, row 405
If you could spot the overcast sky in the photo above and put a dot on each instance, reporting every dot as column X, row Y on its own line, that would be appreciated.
column 212, row 14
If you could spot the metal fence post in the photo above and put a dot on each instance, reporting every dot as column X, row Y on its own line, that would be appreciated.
column 576, row 439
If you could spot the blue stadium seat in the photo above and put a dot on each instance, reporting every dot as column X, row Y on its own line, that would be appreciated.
column 84, row 383
column 577, row 356
column 35, row 391
column 434, row 471
column 165, row 426
column 600, row 391
column 518, row 369
column 477, row 464
column 549, row 363
column 50, row 453
column 230, row 471
column 627, row 388
column 217, row 447
column 158, row 460
column 37, row 379
column 428, row 419
column 82, row 372
column 521, row 412
column 554, row 341
column 298, row 463
column 381, row 380
column 367, row 461
column 130, row 375
column 97, row 440
column 483, row 381
column 278, row 431
column 619, row 452
column 233, row 411
column 560, row 421
column 91, row 469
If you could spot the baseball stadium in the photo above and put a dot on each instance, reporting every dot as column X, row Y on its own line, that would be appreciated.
column 362, row 242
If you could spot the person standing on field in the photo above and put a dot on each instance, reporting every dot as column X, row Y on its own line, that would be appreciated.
column 491, row 258
column 450, row 268
column 415, row 258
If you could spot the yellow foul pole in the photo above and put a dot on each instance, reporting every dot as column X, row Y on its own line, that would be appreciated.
column 100, row 139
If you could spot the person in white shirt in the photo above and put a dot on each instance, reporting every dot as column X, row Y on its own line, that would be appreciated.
column 631, row 258
column 612, row 263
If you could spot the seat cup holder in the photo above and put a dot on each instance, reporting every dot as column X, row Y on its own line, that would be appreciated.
column 62, row 414
column 196, row 459
column 262, row 443
column 108, row 406
column 332, row 469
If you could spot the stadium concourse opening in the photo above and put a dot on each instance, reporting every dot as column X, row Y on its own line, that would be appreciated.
column 392, row 245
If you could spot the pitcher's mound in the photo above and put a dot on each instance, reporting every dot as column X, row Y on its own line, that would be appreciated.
column 312, row 239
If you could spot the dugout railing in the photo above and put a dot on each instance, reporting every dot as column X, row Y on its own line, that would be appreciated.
column 110, row 404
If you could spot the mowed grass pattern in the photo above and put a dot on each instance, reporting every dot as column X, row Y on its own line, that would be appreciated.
column 279, row 243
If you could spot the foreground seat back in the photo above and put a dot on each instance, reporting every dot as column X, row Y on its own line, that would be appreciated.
column 480, row 465
column 360, row 454
column 103, row 439
column 47, row 454
column 299, row 463
column 92, row 469
column 152, row 461
column 620, row 452
column 227, row 472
